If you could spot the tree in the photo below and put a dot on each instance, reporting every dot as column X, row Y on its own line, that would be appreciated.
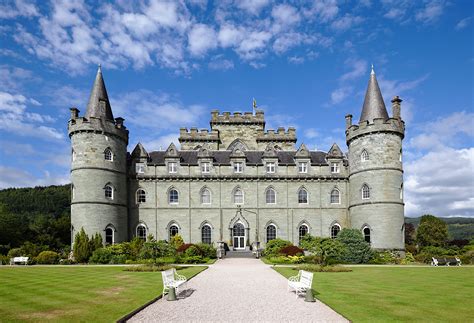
column 82, row 247
column 176, row 241
column 357, row 249
column 410, row 233
column 331, row 251
column 96, row 242
column 431, row 232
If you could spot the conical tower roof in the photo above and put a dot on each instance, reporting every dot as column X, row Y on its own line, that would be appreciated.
column 99, row 93
column 374, row 107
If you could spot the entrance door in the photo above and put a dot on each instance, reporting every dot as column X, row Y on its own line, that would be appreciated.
column 239, row 236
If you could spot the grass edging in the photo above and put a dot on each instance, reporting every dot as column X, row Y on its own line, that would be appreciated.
column 128, row 316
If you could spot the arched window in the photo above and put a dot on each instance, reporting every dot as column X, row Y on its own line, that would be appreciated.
column 141, row 196
column 271, row 232
column 364, row 156
column 302, row 196
column 73, row 191
column 335, row 230
column 173, row 230
column 173, row 196
column 108, row 154
column 335, row 196
column 141, row 232
column 366, row 232
column 205, row 196
column 302, row 231
column 206, row 234
column 238, row 196
column 73, row 155
column 400, row 156
column 365, row 192
column 270, row 196
column 401, row 192
column 109, row 192
column 109, row 235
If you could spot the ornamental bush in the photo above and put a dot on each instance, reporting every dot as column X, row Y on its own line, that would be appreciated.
column 357, row 250
column 193, row 251
column 82, row 248
column 101, row 256
column 274, row 246
column 291, row 251
column 184, row 247
column 207, row 251
column 176, row 241
column 47, row 258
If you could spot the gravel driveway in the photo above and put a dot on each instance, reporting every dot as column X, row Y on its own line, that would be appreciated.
column 237, row 290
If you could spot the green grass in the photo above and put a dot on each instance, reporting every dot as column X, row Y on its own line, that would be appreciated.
column 427, row 294
column 76, row 293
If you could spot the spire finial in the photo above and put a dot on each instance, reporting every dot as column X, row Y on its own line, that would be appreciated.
column 99, row 69
column 372, row 71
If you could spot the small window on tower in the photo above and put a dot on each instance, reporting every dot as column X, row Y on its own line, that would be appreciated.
column 364, row 156
column 109, row 192
column 108, row 155
column 140, row 168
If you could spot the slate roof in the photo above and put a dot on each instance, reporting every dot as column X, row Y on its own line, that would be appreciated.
column 374, row 107
column 99, row 93
column 222, row 157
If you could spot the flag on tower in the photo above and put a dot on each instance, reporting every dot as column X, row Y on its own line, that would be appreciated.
column 254, row 104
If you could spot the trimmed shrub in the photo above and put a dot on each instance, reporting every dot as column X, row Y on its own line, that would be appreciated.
column 207, row 251
column 101, row 256
column 4, row 260
column 331, row 251
column 193, row 251
column 14, row 252
column 409, row 259
column 118, row 259
column 148, row 268
column 47, row 258
column 156, row 249
column 357, row 250
column 291, row 251
column 82, row 248
column 274, row 246
column 191, row 259
column 325, row 269
column 184, row 247
column 467, row 258
column 176, row 241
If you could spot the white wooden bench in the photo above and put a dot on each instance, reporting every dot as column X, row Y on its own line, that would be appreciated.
column 447, row 261
column 19, row 260
column 300, row 283
column 172, row 280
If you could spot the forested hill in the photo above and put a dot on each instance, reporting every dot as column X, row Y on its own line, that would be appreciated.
column 458, row 228
column 40, row 215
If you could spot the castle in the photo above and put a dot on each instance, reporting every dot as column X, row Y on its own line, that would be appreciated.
column 238, row 182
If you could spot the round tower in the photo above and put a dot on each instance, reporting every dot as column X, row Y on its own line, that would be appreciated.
column 375, row 171
column 98, row 169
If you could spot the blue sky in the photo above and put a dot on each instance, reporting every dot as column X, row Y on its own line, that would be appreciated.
column 307, row 63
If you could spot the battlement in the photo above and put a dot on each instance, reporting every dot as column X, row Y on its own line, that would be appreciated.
column 279, row 135
column 98, row 125
column 198, row 135
column 237, row 118
column 393, row 125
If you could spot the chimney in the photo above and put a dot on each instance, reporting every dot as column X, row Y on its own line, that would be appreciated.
column 74, row 113
column 396, row 107
column 119, row 122
column 348, row 121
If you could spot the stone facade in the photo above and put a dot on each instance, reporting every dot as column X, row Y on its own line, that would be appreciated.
column 237, row 175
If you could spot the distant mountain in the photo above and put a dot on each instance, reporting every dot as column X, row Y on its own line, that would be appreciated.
column 458, row 228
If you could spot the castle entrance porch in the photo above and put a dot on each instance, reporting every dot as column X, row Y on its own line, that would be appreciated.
column 238, row 234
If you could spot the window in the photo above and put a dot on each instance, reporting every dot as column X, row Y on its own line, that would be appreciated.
column 238, row 196
column 335, row 230
column 108, row 155
column 366, row 232
column 205, row 168
column 73, row 154
column 400, row 156
column 270, row 196
column 173, row 196
column 140, row 168
column 271, row 232
column 109, row 236
column 172, row 167
column 302, row 196
column 302, row 231
column 365, row 192
column 303, row 168
column 401, row 192
column 238, row 167
column 206, row 234
column 335, row 196
column 364, row 156
column 141, row 232
column 270, row 168
column 109, row 192
column 73, row 191
column 334, row 167
column 141, row 196
column 205, row 196
column 173, row 230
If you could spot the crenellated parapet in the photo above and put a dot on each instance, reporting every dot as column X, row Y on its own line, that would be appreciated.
column 189, row 139
column 379, row 125
column 237, row 118
column 97, row 125
column 286, row 139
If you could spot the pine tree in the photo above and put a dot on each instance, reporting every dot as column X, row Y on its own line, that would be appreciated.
column 82, row 247
column 96, row 242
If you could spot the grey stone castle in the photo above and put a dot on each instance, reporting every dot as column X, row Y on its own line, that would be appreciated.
column 238, row 182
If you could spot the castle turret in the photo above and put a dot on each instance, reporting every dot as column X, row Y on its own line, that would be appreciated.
column 98, row 169
column 376, row 175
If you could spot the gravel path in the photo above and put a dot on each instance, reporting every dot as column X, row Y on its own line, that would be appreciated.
column 238, row 290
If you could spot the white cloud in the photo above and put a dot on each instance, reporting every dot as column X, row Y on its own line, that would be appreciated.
column 20, row 8
column 252, row 6
column 346, row 22
column 340, row 94
column 395, row 13
column 230, row 35
column 430, row 12
column 463, row 23
column 358, row 68
column 201, row 39
column 12, row 78
column 162, row 142
column 17, row 177
column 322, row 10
column 220, row 63
column 285, row 15
column 311, row 133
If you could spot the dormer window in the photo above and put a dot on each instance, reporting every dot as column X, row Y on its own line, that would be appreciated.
column 172, row 167
column 205, row 168
column 140, row 168
column 364, row 156
column 270, row 167
column 303, row 168
column 108, row 155
column 335, row 168
column 238, row 167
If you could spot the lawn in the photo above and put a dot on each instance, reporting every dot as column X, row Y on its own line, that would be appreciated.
column 429, row 294
column 76, row 293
